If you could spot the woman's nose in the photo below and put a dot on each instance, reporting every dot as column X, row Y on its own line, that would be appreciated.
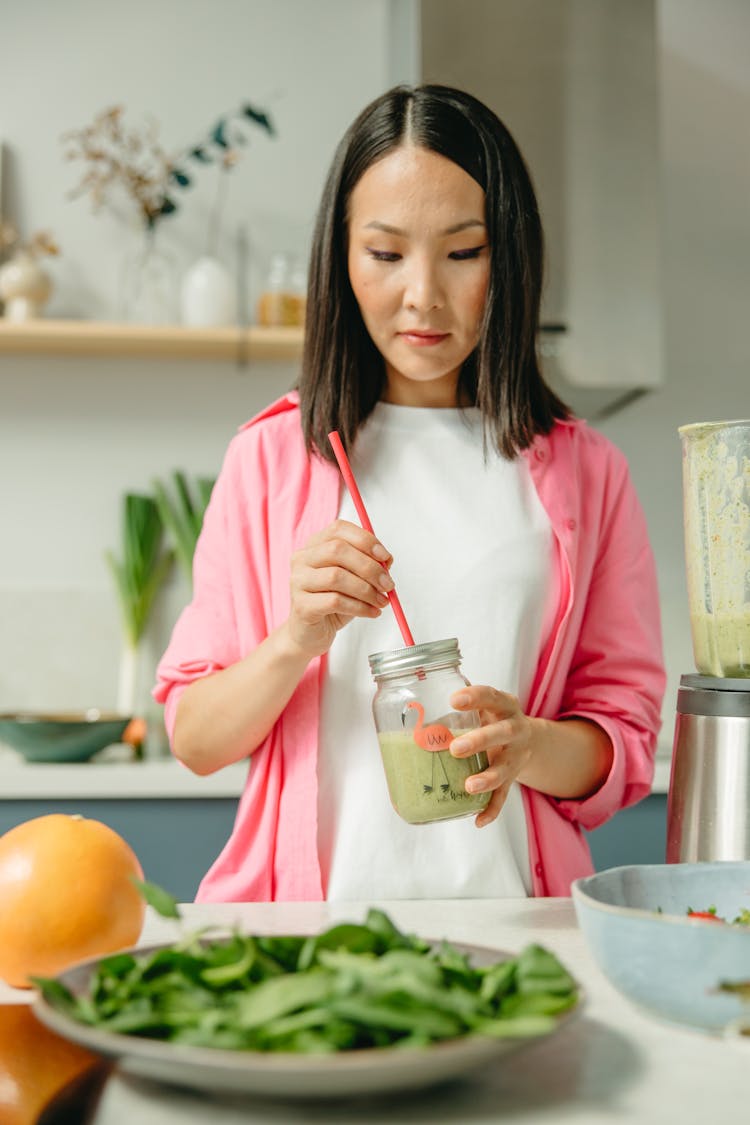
column 423, row 290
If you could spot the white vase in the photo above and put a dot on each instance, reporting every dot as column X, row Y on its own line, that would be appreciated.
column 207, row 296
column 24, row 286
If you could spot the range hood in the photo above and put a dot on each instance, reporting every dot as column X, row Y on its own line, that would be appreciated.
column 593, row 402
column 576, row 83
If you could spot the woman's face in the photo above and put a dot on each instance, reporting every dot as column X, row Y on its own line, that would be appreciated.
column 419, row 267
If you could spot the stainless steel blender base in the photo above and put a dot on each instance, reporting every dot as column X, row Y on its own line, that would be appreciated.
column 708, row 808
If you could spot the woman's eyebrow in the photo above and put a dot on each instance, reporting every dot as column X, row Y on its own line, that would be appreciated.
column 455, row 229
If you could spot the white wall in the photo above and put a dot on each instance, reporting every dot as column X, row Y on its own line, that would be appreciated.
column 75, row 434
column 705, row 108
column 703, row 235
column 182, row 64
column 575, row 82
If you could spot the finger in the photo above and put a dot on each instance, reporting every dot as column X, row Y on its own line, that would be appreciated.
column 336, row 580
column 492, row 737
column 312, row 608
column 480, row 697
column 357, row 536
column 488, row 779
column 494, row 806
column 342, row 554
column 339, row 566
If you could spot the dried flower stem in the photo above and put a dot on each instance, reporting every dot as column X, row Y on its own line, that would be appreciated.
column 130, row 158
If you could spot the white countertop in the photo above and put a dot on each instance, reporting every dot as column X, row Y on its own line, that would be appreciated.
column 612, row 1064
column 115, row 780
column 162, row 777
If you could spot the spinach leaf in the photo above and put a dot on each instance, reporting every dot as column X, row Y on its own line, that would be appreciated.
column 354, row 986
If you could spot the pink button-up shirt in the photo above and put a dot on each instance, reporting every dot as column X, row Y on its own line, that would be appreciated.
column 602, row 661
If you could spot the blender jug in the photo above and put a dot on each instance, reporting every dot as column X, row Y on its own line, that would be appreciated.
column 716, row 501
column 708, row 808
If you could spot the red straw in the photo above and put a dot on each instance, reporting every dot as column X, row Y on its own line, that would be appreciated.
column 364, row 519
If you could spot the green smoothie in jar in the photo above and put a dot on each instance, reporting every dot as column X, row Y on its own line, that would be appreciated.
column 415, row 726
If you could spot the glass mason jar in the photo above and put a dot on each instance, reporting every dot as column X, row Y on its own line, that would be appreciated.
column 282, row 301
column 415, row 726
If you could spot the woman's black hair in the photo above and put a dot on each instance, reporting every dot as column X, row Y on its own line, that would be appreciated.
column 343, row 373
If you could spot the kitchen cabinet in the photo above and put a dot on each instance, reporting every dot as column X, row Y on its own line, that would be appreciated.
column 637, row 834
column 176, row 822
column 175, row 840
column 178, row 838
column 100, row 338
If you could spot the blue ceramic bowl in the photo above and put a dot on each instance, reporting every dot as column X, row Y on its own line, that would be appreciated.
column 66, row 737
column 636, row 925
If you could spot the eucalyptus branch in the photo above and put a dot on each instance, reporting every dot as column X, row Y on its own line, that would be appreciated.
column 133, row 159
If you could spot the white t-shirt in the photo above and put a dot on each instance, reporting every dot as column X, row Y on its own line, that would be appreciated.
column 472, row 549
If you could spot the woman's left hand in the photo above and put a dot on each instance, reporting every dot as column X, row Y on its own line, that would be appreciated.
column 504, row 736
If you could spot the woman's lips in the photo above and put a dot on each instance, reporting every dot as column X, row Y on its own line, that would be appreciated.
column 423, row 339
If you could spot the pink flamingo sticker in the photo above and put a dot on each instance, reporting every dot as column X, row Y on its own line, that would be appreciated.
column 434, row 736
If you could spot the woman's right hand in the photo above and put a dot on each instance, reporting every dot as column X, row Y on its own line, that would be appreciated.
column 339, row 574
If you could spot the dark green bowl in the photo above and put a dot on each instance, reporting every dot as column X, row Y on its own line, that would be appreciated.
column 73, row 736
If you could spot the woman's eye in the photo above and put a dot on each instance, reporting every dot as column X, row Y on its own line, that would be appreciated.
column 464, row 255
column 383, row 255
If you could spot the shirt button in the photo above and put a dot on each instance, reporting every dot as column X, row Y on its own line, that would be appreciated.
column 571, row 525
column 538, row 869
column 540, row 454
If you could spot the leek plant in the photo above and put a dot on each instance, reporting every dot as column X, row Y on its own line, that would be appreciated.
column 138, row 576
column 181, row 510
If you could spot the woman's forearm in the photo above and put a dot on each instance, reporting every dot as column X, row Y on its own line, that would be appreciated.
column 569, row 757
column 224, row 717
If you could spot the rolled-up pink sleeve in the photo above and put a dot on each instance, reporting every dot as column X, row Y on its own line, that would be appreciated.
column 207, row 636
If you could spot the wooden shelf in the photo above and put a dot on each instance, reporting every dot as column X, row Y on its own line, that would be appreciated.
column 101, row 338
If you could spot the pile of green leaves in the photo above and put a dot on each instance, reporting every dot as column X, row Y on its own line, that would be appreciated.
column 353, row 986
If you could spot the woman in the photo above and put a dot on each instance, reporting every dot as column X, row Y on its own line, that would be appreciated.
column 507, row 523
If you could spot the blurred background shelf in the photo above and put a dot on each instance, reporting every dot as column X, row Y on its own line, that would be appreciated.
column 100, row 338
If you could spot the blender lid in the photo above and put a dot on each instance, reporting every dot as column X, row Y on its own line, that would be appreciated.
column 713, row 695
column 715, row 683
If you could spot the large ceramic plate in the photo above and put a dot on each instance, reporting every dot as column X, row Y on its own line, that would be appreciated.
column 377, row 1070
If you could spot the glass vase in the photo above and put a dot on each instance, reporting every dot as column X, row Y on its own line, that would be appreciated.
column 148, row 284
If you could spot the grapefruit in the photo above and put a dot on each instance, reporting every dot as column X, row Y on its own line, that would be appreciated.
column 66, row 894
